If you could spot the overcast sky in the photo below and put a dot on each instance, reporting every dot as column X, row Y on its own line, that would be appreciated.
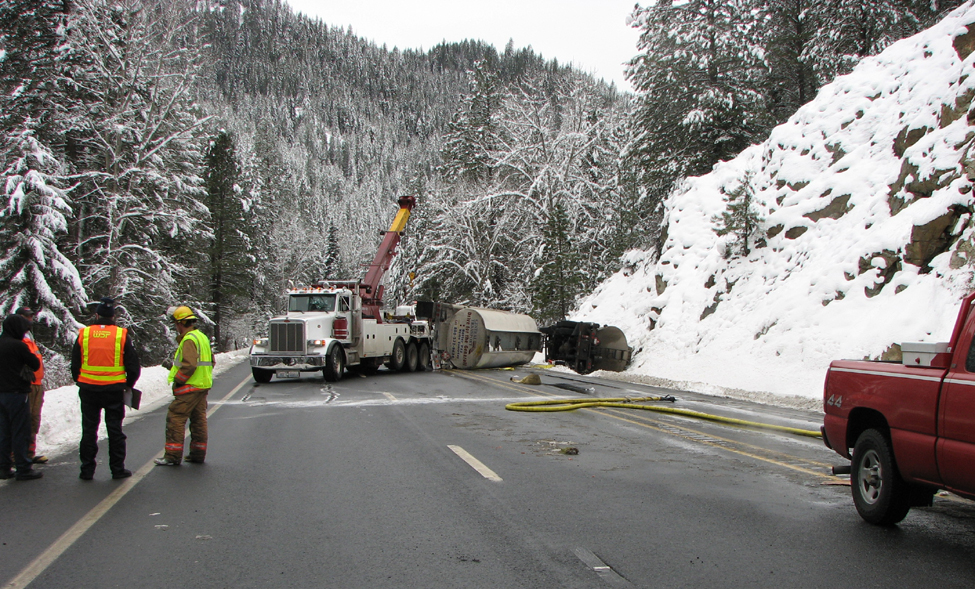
column 591, row 34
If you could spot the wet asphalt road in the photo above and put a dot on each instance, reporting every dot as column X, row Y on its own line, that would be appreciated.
column 425, row 480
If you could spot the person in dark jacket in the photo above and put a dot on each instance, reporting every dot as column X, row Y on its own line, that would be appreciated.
column 16, row 363
column 104, row 363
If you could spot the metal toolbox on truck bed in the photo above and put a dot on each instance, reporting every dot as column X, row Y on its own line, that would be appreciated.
column 926, row 354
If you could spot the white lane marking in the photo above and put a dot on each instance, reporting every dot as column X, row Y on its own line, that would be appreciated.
column 389, row 396
column 40, row 564
column 475, row 463
column 375, row 402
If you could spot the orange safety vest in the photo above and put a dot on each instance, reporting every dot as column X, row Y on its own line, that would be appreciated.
column 39, row 373
column 101, row 355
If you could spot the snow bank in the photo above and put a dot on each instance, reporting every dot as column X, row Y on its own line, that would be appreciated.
column 61, row 414
column 847, row 189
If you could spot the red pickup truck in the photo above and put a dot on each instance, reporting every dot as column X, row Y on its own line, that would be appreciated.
column 910, row 425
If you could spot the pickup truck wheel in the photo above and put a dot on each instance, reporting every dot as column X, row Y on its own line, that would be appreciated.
column 261, row 375
column 334, row 364
column 423, row 361
column 398, row 358
column 880, row 495
column 412, row 357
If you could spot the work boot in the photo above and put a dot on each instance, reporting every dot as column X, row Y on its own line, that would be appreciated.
column 86, row 475
column 195, row 460
column 122, row 474
column 39, row 460
column 165, row 462
column 6, row 474
column 29, row 475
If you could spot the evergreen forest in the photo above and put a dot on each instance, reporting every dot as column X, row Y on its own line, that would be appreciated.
column 211, row 152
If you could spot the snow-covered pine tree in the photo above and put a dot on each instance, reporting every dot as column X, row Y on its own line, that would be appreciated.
column 560, row 276
column 474, row 131
column 34, row 271
column 742, row 218
column 788, row 32
column 850, row 30
column 698, row 75
column 137, row 144
column 231, row 273
column 333, row 255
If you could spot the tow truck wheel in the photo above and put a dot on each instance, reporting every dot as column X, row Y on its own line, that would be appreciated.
column 412, row 357
column 398, row 358
column 423, row 361
column 334, row 364
column 261, row 375
column 880, row 495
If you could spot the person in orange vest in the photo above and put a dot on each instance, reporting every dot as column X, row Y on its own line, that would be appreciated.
column 104, row 363
column 36, row 396
column 17, row 365
column 191, row 377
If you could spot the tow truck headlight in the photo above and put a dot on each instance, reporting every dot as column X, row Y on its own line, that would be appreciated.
column 260, row 342
column 317, row 342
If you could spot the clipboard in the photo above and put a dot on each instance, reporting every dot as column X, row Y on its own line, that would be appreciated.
column 132, row 398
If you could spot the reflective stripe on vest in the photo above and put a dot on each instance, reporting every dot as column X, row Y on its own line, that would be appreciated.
column 202, row 377
column 101, row 355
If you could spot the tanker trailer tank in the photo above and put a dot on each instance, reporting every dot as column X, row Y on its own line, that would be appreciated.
column 487, row 338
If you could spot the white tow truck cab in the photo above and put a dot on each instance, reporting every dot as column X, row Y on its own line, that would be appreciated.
column 324, row 330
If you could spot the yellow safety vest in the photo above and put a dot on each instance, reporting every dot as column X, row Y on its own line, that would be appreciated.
column 101, row 355
column 202, row 377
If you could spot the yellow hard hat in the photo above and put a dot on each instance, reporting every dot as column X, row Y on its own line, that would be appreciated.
column 182, row 313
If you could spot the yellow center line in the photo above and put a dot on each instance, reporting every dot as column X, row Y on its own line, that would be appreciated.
column 642, row 423
column 55, row 550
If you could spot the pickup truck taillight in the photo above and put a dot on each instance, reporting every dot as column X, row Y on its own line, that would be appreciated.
column 340, row 328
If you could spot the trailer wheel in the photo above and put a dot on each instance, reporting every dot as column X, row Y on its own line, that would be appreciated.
column 880, row 495
column 412, row 357
column 423, row 361
column 334, row 364
column 261, row 375
column 398, row 358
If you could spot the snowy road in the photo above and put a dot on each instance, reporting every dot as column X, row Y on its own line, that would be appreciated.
column 425, row 480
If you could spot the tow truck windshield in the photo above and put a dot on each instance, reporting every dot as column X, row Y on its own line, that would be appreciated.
column 314, row 303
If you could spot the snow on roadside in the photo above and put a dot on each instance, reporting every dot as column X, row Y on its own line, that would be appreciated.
column 61, row 414
column 834, row 277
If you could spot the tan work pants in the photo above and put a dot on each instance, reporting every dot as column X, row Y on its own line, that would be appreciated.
column 36, row 401
column 192, row 406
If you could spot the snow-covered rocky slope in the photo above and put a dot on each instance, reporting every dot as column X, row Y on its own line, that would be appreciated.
column 866, row 238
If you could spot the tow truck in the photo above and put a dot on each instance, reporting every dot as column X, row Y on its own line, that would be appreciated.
column 334, row 325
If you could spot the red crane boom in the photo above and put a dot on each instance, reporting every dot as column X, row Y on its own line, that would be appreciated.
column 370, row 290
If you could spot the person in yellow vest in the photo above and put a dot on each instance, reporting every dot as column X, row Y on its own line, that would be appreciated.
column 36, row 396
column 191, row 377
column 104, row 363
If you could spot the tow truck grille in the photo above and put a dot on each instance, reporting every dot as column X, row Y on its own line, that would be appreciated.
column 288, row 337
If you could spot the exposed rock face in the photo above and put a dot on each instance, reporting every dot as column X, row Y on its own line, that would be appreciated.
column 838, row 207
column 795, row 232
column 931, row 239
column 964, row 44
column 661, row 284
column 893, row 354
column 889, row 264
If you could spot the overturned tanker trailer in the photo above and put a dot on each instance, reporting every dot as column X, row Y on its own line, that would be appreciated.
column 472, row 337
column 586, row 347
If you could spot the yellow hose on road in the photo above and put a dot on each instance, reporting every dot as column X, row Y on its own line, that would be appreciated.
column 632, row 403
